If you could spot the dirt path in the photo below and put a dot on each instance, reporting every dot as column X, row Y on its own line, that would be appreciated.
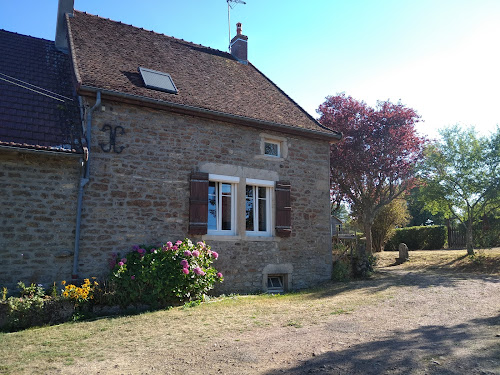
column 434, row 324
column 430, row 323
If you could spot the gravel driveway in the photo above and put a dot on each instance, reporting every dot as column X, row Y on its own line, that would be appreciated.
column 434, row 323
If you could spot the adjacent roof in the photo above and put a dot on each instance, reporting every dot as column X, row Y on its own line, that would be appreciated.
column 106, row 55
column 37, row 106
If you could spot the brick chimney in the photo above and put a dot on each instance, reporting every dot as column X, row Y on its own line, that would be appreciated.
column 65, row 6
column 239, row 45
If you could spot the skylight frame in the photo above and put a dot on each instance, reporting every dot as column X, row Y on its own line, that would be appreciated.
column 156, row 80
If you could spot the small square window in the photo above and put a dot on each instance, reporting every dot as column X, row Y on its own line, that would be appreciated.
column 272, row 148
column 275, row 284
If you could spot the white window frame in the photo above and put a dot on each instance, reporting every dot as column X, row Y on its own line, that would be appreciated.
column 219, row 179
column 273, row 142
column 269, row 185
column 281, row 142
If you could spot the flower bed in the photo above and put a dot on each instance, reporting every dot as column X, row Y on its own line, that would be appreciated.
column 144, row 278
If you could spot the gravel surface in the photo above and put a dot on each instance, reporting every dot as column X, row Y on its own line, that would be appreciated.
column 435, row 323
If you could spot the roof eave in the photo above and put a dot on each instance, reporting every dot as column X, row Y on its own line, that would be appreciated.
column 41, row 150
column 332, row 137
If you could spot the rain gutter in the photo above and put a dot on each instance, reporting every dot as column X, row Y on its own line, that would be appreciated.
column 84, row 178
column 332, row 136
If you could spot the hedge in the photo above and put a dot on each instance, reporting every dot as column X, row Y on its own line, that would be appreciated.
column 419, row 238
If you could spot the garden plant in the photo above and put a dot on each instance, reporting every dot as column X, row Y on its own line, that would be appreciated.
column 163, row 275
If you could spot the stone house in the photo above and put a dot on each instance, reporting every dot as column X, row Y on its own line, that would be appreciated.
column 40, row 160
column 180, row 140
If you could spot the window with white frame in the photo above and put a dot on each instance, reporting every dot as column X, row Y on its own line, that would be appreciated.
column 272, row 148
column 222, row 205
column 258, row 207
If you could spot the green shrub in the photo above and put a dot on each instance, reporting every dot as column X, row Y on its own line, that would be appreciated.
column 487, row 232
column 363, row 266
column 31, row 292
column 341, row 263
column 341, row 269
column 33, row 308
column 419, row 238
column 24, row 310
column 160, row 276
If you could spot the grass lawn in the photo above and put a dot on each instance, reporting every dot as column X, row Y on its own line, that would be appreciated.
column 68, row 348
column 43, row 350
column 485, row 261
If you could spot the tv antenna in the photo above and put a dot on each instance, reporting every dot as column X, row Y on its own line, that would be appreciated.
column 229, row 7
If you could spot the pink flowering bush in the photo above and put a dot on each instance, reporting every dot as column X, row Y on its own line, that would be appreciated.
column 166, row 274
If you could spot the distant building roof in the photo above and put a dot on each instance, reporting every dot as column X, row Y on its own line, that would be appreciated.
column 37, row 107
column 107, row 54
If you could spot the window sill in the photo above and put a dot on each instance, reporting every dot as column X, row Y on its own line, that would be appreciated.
column 216, row 237
column 269, row 157
column 250, row 238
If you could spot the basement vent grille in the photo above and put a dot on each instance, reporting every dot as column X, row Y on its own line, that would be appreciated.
column 158, row 80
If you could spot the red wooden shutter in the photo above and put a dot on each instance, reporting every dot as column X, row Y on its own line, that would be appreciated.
column 198, row 203
column 283, row 209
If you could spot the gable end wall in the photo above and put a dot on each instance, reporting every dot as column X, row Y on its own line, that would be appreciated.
column 141, row 195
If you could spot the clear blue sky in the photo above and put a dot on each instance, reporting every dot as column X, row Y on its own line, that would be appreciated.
column 440, row 57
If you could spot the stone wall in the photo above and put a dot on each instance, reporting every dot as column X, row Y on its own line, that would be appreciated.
column 141, row 195
column 38, row 193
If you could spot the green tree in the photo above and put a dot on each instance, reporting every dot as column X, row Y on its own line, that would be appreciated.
column 391, row 216
column 341, row 212
column 462, row 177
column 419, row 214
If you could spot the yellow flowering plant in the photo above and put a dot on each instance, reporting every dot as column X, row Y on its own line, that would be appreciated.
column 80, row 294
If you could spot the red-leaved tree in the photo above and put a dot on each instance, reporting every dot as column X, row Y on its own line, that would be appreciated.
column 374, row 163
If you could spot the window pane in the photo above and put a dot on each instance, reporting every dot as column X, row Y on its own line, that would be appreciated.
column 262, row 209
column 269, row 283
column 212, row 206
column 275, row 282
column 271, row 149
column 226, row 189
column 249, row 208
column 226, row 206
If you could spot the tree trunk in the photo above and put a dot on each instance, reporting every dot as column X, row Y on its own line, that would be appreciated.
column 468, row 236
column 368, row 234
column 469, row 239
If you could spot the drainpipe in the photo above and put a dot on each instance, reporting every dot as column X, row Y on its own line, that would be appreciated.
column 84, row 178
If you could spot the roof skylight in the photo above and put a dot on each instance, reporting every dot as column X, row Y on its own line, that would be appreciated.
column 158, row 80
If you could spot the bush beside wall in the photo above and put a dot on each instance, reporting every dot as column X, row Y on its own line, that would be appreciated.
column 419, row 238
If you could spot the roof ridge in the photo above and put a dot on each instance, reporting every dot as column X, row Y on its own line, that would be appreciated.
column 72, row 53
column 157, row 33
column 29, row 36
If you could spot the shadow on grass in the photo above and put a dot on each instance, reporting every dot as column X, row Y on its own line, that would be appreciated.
column 470, row 348
column 385, row 279
column 456, row 260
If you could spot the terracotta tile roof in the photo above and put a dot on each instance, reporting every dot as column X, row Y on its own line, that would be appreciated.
column 32, row 75
column 106, row 55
